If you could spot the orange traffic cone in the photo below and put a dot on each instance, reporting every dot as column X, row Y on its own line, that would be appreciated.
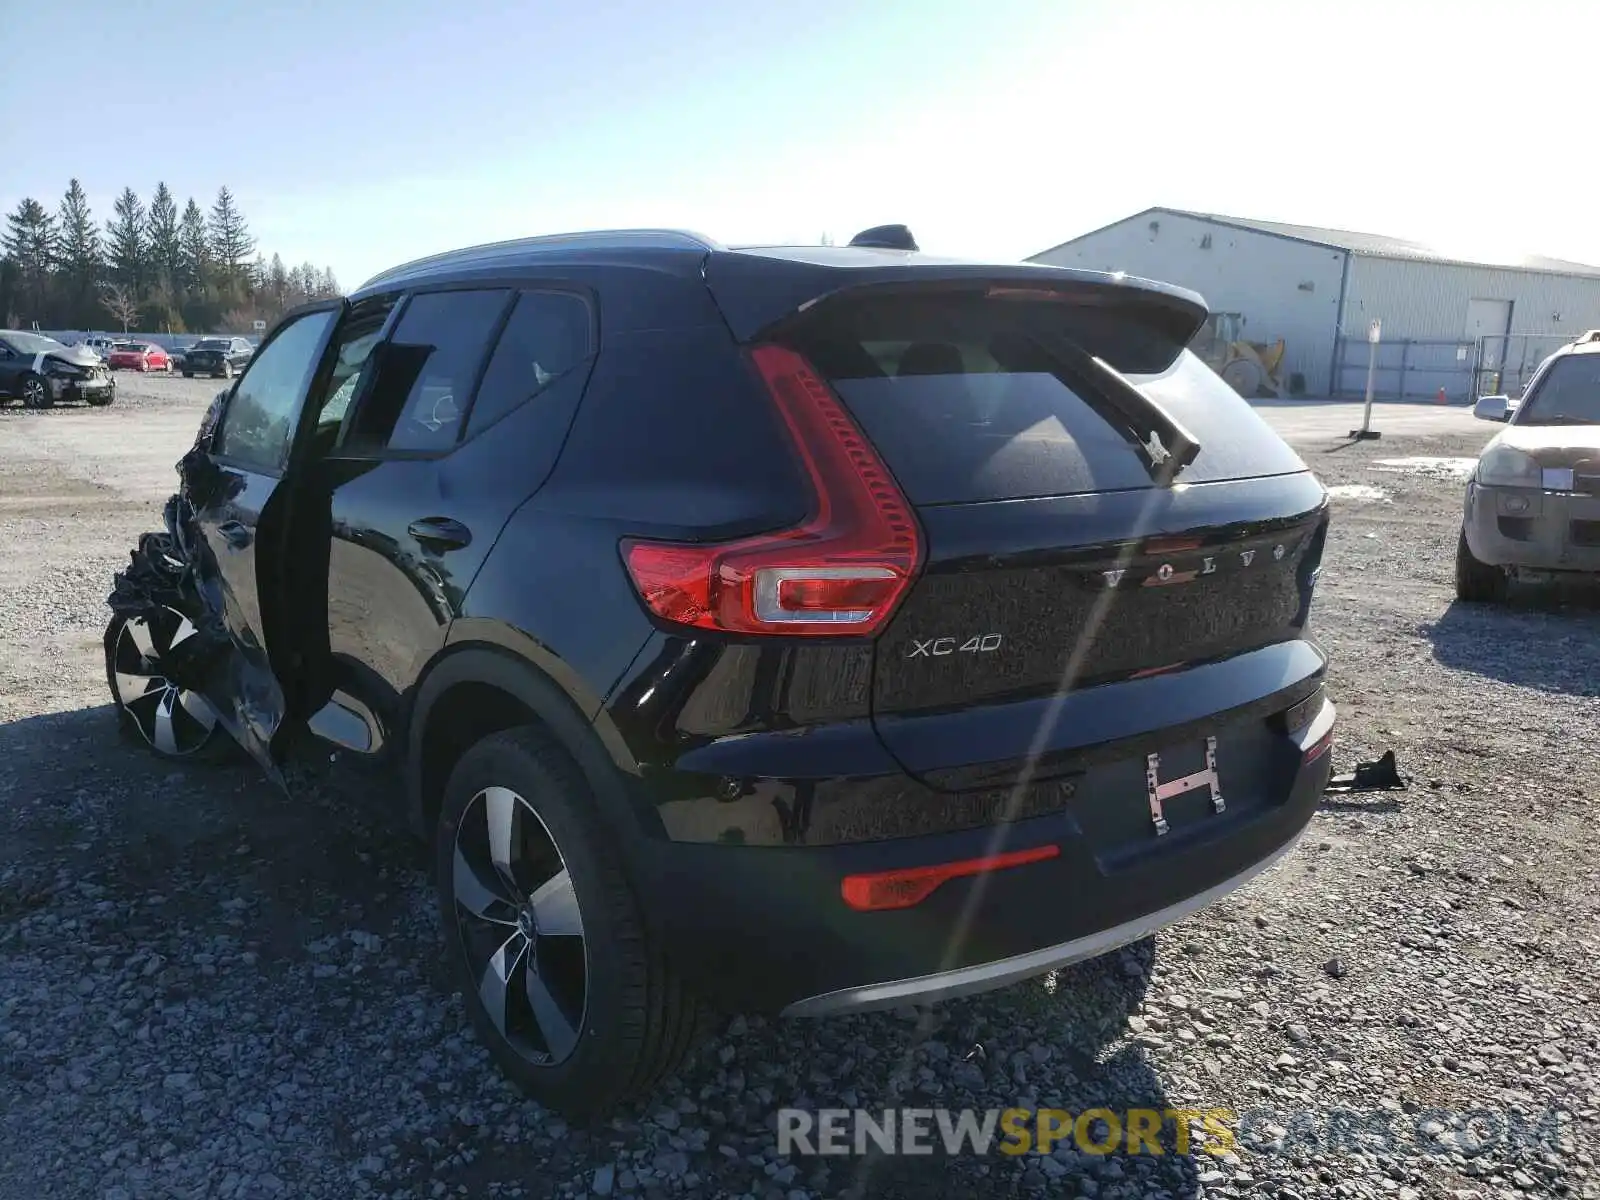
column 1441, row 399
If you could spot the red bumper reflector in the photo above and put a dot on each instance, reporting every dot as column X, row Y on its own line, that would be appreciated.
column 1318, row 748
column 912, row 885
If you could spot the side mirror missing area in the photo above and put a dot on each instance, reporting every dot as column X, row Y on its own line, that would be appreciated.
column 1492, row 408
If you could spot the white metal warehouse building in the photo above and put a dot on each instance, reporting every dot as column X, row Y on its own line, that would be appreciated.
column 1467, row 327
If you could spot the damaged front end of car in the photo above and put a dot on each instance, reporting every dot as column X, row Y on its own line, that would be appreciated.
column 174, row 571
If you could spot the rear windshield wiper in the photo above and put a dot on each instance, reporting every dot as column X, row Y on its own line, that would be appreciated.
column 1164, row 445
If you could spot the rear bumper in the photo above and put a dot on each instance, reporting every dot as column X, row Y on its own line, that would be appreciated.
column 765, row 927
column 985, row 977
column 1533, row 529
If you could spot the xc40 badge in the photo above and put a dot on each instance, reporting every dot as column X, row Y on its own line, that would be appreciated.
column 938, row 647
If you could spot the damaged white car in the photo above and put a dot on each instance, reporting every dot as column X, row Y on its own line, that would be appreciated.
column 39, row 371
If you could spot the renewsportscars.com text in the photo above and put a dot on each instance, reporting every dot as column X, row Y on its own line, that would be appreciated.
column 1158, row 1131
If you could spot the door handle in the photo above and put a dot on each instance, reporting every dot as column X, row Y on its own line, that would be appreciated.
column 440, row 533
column 235, row 533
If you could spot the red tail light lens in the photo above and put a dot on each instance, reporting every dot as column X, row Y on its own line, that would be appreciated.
column 842, row 572
column 912, row 885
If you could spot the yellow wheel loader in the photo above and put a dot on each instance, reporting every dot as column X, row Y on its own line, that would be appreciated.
column 1249, row 368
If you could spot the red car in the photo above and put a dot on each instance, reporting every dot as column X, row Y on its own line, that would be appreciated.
column 138, row 356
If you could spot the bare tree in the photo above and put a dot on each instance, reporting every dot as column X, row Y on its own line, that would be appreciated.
column 121, row 303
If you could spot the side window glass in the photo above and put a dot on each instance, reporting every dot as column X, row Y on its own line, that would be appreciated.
column 353, row 346
column 260, row 418
column 546, row 336
column 425, row 372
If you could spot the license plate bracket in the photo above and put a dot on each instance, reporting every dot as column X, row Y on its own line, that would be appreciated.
column 1158, row 793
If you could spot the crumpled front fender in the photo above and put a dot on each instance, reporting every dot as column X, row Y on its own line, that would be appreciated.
column 175, row 569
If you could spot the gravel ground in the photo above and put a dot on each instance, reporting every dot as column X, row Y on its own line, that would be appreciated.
column 207, row 989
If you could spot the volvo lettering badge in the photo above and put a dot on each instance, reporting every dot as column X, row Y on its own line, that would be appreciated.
column 1169, row 573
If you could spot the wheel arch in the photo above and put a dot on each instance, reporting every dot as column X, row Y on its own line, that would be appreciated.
column 475, row 690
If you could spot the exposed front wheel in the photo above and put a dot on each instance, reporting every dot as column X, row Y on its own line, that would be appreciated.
column 1477, row 582
column 173, row 721
column 99, row 399
column 551, row 954
column 36, row 392
column 227, row 370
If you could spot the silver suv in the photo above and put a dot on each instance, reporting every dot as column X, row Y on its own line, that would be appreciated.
column 1533, row 502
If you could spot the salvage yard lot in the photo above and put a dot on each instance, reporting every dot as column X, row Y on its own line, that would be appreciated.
column 208, row 989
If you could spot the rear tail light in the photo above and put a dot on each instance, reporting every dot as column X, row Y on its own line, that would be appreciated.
column 841, row 572
column 912, row 885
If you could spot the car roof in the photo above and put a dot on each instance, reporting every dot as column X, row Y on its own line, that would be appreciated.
column 763, row 282
column 657, row 247
column 640, row 245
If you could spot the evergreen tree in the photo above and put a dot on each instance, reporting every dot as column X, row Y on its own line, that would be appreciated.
column 30, row 245
column 127, row 245
column 82, row 260
column 230, row 242
column 166, row 249
column 158, row 269
column 277, row 285
column 194, row 252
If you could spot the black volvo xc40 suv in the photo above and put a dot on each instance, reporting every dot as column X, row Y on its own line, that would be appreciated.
column 797, row 629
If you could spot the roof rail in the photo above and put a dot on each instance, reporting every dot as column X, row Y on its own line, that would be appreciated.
column 597, row 239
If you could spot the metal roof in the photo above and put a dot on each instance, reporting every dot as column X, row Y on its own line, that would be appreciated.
column 1375, row 245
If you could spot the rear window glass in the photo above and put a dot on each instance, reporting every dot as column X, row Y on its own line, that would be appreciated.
column 426, row 372
column 966, row 402
column 1569, row 393
column 546, row 336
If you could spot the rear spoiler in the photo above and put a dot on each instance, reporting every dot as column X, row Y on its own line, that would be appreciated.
column 1109, row 327
column 759, row 291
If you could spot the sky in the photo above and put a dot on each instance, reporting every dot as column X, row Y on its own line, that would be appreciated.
column 359, row 134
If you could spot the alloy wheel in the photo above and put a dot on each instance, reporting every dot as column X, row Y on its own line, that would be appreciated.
column 177, row 721
column 34, row 393
column 519, row 926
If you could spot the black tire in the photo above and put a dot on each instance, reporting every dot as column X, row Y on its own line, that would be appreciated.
column 35, row 392
column 1477, row 582
column 189, row 737
column 637, row 1021
column 188, row 374
column 100, row 399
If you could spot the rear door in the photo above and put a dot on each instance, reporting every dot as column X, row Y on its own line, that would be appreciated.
column 433, row 432
column 241, row 512
column 1061, row 555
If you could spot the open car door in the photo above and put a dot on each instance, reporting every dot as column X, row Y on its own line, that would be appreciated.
column 223, row 563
